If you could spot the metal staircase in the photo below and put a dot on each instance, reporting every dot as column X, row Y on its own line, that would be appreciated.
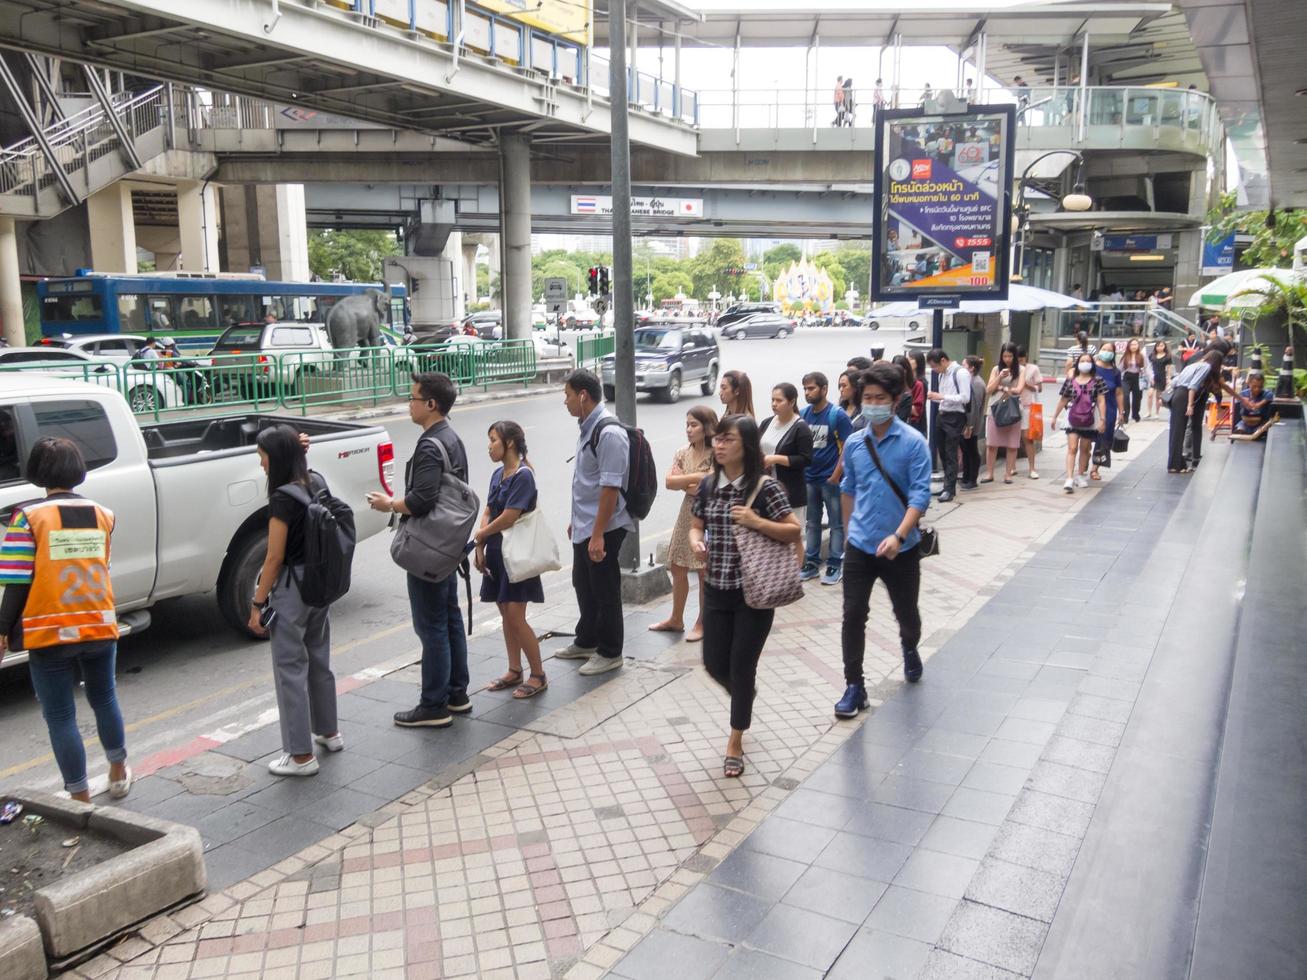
column 64, row 162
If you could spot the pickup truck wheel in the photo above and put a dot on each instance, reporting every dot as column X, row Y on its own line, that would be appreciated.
column 144, row 398
column 710, row 382
column 610, row 394
column 672, row 393
column 237, row 583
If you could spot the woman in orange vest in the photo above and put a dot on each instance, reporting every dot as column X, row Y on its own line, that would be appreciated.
column 58, row 606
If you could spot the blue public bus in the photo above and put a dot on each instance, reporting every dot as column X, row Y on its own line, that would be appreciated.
column 192, row 308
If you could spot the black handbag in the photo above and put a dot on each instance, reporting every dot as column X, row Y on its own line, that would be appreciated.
column 1120, row 441
column 1006, row 411
column 929, row 544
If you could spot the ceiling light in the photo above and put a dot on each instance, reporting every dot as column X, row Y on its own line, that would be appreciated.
column 1148, row 258
column 1077, row 200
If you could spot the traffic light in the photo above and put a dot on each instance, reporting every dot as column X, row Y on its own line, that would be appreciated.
column 594, row 281
column 603, row 280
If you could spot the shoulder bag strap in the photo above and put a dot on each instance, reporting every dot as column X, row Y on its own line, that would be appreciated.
column 875, row 458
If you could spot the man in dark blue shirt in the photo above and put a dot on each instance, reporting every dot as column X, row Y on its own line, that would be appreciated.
column 830, row 430
column 1253, row 406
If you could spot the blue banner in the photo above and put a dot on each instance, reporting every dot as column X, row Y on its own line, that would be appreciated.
column 1218, row 256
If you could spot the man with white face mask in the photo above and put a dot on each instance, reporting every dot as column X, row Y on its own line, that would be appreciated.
column 884, row 491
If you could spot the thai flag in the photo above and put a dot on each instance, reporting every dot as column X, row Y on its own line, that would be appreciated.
column 586, row 205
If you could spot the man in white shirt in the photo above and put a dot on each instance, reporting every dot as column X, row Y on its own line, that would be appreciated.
column 954, row 395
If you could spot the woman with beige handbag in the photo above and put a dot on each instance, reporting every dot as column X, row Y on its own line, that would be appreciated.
column 744, row 527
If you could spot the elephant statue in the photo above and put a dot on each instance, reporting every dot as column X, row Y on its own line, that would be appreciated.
column 355, row 321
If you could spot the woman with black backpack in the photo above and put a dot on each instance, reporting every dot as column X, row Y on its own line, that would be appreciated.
column 301, row 633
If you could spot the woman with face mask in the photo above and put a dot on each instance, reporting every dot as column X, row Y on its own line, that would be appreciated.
column 1085, row 397
column 1114, row 397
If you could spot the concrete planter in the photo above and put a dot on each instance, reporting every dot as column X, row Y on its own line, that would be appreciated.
column 164, row 867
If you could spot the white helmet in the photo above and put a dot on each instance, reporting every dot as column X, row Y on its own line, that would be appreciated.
column 167, row 342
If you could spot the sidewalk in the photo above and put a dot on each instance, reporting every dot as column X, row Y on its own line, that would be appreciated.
column 546, row 838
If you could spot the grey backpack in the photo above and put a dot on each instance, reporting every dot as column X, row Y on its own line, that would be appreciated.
column 434, row 545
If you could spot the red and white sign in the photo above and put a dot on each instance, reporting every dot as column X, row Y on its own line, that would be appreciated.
column 922, row 169
column 649, row 207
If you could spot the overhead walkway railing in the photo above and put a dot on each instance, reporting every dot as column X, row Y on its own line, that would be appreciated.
column 1110, row 322
column 296, row 381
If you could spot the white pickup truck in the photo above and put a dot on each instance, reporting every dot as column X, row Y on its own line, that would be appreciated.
column 189, row 497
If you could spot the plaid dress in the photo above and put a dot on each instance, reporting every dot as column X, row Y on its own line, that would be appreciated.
column 712, row 505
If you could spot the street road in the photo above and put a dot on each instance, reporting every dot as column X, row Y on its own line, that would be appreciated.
column 189, row 674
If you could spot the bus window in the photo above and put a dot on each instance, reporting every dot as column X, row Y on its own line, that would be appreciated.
column 195, row 312
column 160, row 310
column 67, row 309
column 131, row 313
column 237, row 309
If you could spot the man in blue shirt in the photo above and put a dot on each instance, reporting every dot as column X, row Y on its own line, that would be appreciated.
column 830, row 429
column 882, row 528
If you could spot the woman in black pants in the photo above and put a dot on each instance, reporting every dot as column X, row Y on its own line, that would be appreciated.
column 1188, row 400
column 736, row 494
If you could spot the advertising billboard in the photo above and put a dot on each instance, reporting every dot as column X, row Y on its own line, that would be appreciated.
column 943, row 200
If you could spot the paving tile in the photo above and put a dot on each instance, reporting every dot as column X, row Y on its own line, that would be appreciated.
column 992, row 778
column 803, row 937
column 1036, row 848
column 390, row 782
column 342, row 807
column 880, row 955
column 858, row 752
column 663, row 954
column 1001, row 752
column 232, row 821
column 1024, row 730
column 720, row 914
column 978, row 805
column 749, row 964
column 937, row 873
column 253, row 745
column 913, row 794
column 953, row 743
column 821, row 809
column 943, row 965
column 912, row 914
column 892, row 823
column 863, row 856
column 757, row 874
column 1055, row 813
column 187, row 808
column 855, row 782
column 1059, row 780
column 1002, row 667
column 1095, row 730
column 1010, row 942
column 1094, row 706
column 835, row 894
column 1082, row 755
column 290, row 793
column 972, row 721
column 932, row 766
column 1039, row 709
column 789, row 839
column 1016, row 888
column 966, row 838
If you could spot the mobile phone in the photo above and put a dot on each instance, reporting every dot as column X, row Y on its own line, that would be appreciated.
column 267, row 616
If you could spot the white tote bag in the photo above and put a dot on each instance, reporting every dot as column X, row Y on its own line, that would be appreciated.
column 530, row 548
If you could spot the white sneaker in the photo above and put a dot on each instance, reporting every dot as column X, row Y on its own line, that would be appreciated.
column 1082, row 481
column 574, row 652
column 1069, row 486
column 332, row 743
column 287, row 766
column 119, row 788
column 599, row 665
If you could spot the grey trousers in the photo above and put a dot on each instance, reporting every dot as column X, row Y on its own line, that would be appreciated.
column 301, row 669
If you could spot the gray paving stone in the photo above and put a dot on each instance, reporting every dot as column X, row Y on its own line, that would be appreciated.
column 1107, row 687
column 933, row 767
column 972, row 721
column 966, row 838
column 1059, row 780
column 390, row 782
column 800, row 936
column 1024, row 730
column 937, row 873
column 757, row 874
column 789, row 839
column 953, row 743
column 1080, row 754
column 978, row 805
column 822, row 809
column 914, row 794
column 1095, row 730
column 749, row 964
column 235, row 820
column 663, row 954
column 719, row 914
column 993, row 778
column 1020, row 669
column 341, row 807
column 912, row 914
column 1055, row 813
column 1034, row 847
column 865, row 857
column 1010, row 942
column 1005, row 753
column 1094, row 706
column 890, row 733
column 876, row 955
column 943, row 965
column 1039, row 709
column 1071, row 660
column 858, row 753
column 1119, row 669
column 1015, row 888
column 835, row 894
column 855, row 782
column 892, row 823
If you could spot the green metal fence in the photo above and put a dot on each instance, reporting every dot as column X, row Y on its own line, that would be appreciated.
column 591, row 349
column 294, row 381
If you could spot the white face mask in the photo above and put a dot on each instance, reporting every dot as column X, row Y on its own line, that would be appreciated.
column 1085, row 367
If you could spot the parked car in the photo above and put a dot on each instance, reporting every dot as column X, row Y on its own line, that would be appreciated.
column 191, row 512
column 107, row 346
column 144, row 390
column 741, row 310
column 910, row 323
column 666, row 358
column 483, row 324
column 759, row 325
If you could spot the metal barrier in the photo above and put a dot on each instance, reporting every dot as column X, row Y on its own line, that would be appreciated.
column 590, row 350
column 296, row 380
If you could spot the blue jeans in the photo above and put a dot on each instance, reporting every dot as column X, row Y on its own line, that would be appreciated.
column 54, row 679
column 828, row 494
column 438, row 622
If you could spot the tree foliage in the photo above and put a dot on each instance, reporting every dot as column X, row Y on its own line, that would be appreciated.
column 1272, row 245
column 666, row 285
column 355, row 254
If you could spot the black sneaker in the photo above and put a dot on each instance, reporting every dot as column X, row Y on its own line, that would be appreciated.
column 421, row 717
column 912, row 666
column 459, row 703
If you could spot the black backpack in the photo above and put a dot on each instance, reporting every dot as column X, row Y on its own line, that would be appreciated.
column 641, row 476
column 329, row 539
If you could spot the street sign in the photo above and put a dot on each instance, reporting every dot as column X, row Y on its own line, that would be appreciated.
column 555, row 294
column 938, row 301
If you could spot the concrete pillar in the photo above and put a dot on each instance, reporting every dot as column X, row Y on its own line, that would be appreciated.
column 112, row 226
column 470, row 272
column 11, row 293
column 265, row 226
column 515, row 227
column 292, row 234
column 453, row 254
column 197, row 223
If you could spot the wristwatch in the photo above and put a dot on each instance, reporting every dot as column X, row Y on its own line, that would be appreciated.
column 902, row 539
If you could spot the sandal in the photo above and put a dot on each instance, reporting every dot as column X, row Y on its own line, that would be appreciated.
column 986, row 479
column 1034, row 476
column 666, row 627
column 1007, row 480
column 529, row 691
column 504, row 683
column 693, row 637
column 733, row 767
column 1095, row 476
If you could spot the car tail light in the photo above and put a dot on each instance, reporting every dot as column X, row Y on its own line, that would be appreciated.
column 386, row 464
column 264, row 361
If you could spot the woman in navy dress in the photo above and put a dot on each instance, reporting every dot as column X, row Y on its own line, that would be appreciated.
column 512, row 494
column 1105, row 370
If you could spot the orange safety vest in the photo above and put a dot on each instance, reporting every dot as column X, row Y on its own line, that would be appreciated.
column 71, row 597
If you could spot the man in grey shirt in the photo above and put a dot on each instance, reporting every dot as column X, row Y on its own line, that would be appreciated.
column 598, row 527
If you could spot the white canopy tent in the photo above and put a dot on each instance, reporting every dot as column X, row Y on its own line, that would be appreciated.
column 1021, row 298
